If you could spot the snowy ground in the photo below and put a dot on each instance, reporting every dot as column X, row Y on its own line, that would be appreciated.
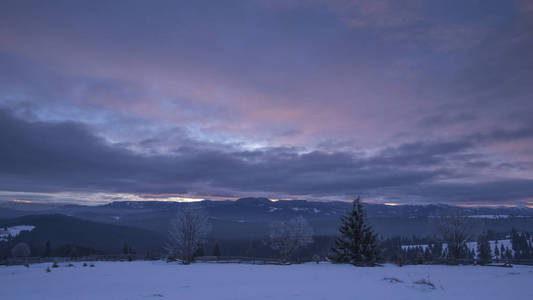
column 159, row 280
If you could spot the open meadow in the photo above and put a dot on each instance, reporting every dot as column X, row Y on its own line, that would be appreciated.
column 160, row 280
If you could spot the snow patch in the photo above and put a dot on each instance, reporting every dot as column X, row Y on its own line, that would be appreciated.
column 11, row 232
column 471, row 245
column 489, row 216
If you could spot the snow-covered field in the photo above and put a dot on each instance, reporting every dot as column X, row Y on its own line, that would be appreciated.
column 159, row 280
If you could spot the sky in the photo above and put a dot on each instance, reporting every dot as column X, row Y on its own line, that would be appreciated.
column 410, row 102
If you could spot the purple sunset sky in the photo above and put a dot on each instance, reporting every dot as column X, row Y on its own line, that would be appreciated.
column 409, row 102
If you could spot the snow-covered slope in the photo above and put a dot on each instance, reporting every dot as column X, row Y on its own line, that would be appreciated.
column 472, row 246
column 159, row 280
column 11, row 232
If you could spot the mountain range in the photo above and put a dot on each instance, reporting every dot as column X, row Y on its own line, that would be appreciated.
column 146, row 223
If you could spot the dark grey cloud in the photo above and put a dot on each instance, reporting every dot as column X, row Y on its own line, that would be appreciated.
column 488, row 192
column 68, row 157
column 43, row 156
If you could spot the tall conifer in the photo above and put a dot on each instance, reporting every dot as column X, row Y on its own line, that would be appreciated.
column 358, row 242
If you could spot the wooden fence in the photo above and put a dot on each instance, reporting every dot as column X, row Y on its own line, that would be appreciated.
column 240, row 260
column 133, row 257
column 221, row 259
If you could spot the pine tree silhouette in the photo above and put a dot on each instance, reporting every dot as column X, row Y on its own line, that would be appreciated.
column 216, row 250
column 358, row 242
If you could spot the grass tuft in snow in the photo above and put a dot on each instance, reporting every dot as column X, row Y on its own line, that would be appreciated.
column 393, row 280
column 426, row 282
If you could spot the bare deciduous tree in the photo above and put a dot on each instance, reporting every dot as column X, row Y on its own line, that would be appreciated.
column 287, row 236
column 455, row 231
column 187, row 232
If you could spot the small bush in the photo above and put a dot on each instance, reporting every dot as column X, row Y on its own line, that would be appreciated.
column 91, row 265
column 55, row 265
column 48, row 270
column 27, row 265
column 84, row 264
column 21, row 250
column 70, row 265
column 316, row 258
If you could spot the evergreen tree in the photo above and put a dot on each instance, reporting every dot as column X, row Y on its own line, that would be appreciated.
column 199, row 251
column 496, row 250
column 358, row 243
column 515, row 239
column 251, row 250
column 216, row 251
column 483, row 249
column 47, row 250
column 508, row 253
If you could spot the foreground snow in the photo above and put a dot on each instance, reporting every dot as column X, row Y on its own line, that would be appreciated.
column 156, row 280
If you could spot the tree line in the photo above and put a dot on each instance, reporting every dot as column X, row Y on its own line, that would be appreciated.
column 294, row 240
column 357, row 243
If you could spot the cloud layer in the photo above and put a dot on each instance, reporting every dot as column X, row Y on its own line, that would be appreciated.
column 416, row 102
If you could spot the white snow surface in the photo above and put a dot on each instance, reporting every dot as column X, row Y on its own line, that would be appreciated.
column 489, row 216
column 160, row 280
column 13, row 231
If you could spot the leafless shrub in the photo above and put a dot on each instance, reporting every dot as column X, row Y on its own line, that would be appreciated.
column 187, row 231
column 455, row 231
column 287, row 236
column 21, row 250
